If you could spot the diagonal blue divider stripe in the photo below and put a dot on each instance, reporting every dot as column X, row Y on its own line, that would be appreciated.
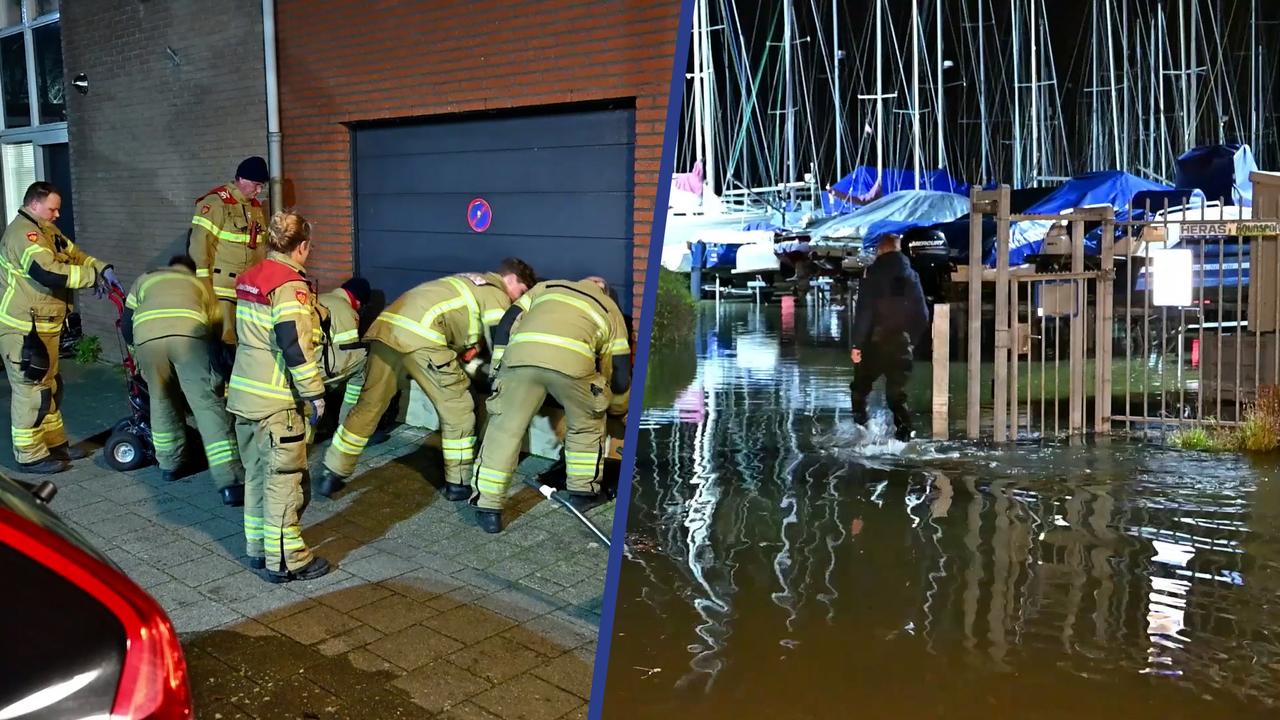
column 675, row 101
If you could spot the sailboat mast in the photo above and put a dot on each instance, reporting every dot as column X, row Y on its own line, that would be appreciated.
column 1193, row 138
column 699, row 118
column 1128, row 102
column 1095, row 122
column 835, row 85
column 791, row 139
column 1164, row 118
column 1111, row 85
column 1017, row 100
column 937, row 105
column 708, row 100
column 879, row 91
column 1254, row 107
column 1035, row 168
column 1152, row 48
column 982, row 95
column 1182, row 61
column 915, row 90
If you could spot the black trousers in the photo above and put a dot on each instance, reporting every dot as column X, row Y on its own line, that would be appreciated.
column 890, row 358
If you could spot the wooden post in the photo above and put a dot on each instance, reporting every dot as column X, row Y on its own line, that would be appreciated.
column 1015, row 346
column 973, row 394
column 1075, row 423
column 941, row 368
column 1001, row 394
column 1106, row 327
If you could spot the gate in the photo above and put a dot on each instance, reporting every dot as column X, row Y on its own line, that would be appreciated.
column 1170, row 320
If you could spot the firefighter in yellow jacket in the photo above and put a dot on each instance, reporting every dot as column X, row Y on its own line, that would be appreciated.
column 276, row 393
column 343, row 353
column 170, row 318
column 40, row 268
column 568, row 340
column 227, row 239
column 428, row 332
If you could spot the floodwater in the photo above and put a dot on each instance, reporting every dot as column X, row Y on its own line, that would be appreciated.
column 781, row 565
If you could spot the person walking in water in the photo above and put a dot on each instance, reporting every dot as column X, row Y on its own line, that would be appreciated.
column 888, row 321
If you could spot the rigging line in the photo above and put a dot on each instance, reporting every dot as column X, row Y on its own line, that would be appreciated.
column 1223, row 70
column 764, row 160
column 808, row 116
column 1066, row 156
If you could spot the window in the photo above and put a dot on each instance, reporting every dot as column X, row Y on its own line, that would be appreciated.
column 49, row 87
column 19, row 162
column 13, row 81
column 10, row 13
column 40, row 8
column 31, row 80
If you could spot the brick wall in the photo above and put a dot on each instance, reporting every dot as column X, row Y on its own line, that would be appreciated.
column 153, row 133
column 344, row 62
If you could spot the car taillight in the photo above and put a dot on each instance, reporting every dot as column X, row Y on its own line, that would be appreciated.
column 153, row 682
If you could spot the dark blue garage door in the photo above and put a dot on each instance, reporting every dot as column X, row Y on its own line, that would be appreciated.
column 559, row 186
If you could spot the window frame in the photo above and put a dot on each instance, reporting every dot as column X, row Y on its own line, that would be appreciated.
column 37, row 132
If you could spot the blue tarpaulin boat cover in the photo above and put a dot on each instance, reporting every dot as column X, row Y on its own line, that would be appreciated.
column 1220, row 171
column 859, row 187
column 894, row 213
column 1108, row 187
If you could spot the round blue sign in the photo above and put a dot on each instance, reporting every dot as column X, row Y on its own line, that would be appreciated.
column 479, row 215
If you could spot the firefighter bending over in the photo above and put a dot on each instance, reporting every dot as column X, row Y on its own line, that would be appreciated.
column 427, row 332
column 171, row 319
column 568, row 340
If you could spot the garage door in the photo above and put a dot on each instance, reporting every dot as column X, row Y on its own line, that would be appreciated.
column 443, row 197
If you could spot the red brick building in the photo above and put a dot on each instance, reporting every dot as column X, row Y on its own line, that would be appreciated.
column 506, row 71
column 395, row 117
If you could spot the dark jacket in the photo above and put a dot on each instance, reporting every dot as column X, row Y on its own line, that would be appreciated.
column 890, row 302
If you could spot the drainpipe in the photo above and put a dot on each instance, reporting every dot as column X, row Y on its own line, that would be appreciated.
column 273, row 104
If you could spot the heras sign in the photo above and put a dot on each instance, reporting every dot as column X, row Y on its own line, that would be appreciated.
column 479, row 215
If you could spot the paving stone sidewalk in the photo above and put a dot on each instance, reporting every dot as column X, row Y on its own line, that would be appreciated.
column 425, row 615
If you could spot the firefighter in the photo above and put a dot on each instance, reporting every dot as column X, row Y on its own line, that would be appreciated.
column 568, row 340
column 40, row 268
column 430, row 332
column 343, row 352
column 276, row 393
column 888, row 320
column 170, row 317
column 226, row 239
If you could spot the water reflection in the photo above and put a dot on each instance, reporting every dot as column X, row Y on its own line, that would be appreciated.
column 785, row 564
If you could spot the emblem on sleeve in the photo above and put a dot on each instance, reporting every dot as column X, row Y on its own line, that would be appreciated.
column 33, row 236
column 204, row 210
column 301, row 296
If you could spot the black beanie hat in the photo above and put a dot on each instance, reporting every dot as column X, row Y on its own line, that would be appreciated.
column 253, row 169
column 359, row 289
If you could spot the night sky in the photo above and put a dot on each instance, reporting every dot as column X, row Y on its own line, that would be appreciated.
column 1067, row 28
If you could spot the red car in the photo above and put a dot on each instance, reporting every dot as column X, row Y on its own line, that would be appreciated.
column 80, row 639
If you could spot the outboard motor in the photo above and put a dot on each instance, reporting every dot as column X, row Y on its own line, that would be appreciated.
column 930, row 257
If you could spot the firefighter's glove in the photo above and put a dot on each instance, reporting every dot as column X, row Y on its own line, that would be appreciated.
column 106, row 281
column 317, row 410
column 110, row 275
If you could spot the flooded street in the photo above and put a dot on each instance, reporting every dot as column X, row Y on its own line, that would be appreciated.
column 782, row 565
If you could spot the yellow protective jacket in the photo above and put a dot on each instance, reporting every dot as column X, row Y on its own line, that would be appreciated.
column 570, row 327
column 276, row 361
column 342, row 351
column 228, row 236
column 167, row 302
column 453, row 313
column 39, row 269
